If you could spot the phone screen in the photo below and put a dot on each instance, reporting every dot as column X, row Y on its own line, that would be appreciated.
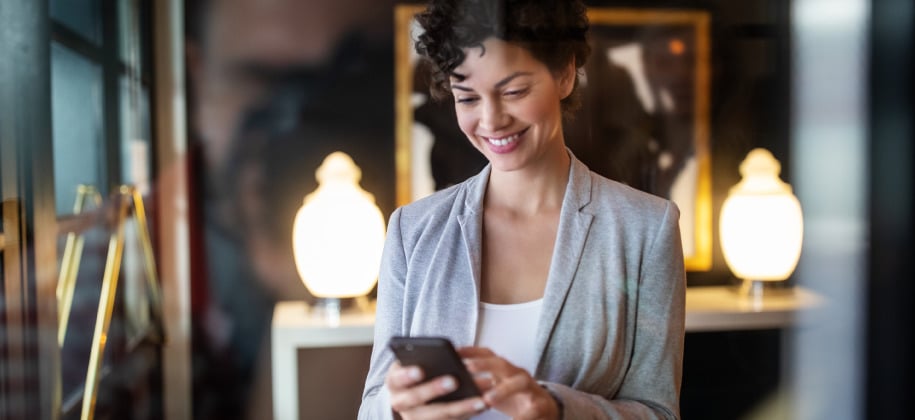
column 436, row 356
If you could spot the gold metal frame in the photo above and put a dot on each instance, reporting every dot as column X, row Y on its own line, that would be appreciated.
column 701, row 260
column 70, row 261
column 127, row 196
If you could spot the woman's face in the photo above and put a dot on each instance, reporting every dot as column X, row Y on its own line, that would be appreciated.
column 508, row 104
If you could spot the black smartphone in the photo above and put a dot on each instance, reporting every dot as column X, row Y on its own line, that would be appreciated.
column 436, row 356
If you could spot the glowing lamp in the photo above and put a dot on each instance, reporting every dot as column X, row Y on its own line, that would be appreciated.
column 761, row 224
column 338, row 233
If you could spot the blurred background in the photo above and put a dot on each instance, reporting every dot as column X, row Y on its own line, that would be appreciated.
column 155, row 154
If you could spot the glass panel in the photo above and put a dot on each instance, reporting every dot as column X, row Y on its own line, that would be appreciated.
column 129, row 33
column 135, row 134
column 82, row 16
column 76, row 103
column 2, row 235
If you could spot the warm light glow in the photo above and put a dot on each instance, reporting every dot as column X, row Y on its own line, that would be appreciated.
column 338, row 233
column 761, row 223
column 676, row 46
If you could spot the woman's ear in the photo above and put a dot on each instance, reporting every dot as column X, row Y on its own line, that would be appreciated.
column 566, row 79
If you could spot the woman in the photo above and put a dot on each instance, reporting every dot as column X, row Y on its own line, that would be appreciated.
column 564, row 289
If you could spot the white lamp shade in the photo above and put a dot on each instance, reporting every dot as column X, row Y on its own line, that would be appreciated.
column 338, row 234
column 761, row 225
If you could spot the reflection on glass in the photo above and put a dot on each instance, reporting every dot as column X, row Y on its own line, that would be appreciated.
column 112, row 302
column 76, row 105
column 77, row 343
column 71, row 258
column 81, row 16
column 134, row 142
column 129, row 35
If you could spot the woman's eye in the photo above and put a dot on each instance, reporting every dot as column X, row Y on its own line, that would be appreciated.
column 516, row 92
column 466, row 101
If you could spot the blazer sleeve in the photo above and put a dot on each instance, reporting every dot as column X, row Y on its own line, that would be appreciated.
column 388, row 322
column 651, row 387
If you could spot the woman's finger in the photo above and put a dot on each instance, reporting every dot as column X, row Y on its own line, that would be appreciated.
column 472, row 352
column 406, row 399
column 401, row 377
column 506, row 387
column 497, row 366
column 484, row 381
column 463, row 409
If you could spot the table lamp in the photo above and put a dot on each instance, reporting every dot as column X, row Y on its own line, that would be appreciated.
column 338, row 235
column 761, row 224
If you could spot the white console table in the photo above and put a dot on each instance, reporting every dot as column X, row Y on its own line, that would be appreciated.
column 721, row 308
column 295, row 326
column 713, row 308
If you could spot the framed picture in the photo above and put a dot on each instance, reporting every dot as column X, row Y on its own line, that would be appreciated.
column 644, row 119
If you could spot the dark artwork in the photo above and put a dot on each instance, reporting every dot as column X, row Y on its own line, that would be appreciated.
column 642, row 142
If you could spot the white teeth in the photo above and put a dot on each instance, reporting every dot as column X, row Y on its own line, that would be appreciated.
column 503, row 141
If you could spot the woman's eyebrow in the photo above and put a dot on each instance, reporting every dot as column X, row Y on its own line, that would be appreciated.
column 511, row 77
column 499, row 84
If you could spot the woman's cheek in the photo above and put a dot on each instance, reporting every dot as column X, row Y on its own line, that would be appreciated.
column 467, row 124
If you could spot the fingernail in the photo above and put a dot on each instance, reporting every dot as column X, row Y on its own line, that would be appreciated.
column 449, row 384
column 414, row 374
column 479, row 405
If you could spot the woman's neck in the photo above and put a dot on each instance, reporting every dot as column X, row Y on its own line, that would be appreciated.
column 531, row 190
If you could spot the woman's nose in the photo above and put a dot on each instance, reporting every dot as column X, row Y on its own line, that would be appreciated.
column 493, row 116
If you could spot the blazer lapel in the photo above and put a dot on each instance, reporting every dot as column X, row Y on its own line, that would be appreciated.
column 471, row 223
column 570, row 240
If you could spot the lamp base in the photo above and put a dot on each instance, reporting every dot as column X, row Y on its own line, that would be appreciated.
column 757, row 289
column 330, row 309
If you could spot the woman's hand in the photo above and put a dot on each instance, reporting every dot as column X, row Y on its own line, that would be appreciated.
column 410, row 398
column 511, row 390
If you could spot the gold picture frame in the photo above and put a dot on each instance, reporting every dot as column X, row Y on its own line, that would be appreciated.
column 655, row 138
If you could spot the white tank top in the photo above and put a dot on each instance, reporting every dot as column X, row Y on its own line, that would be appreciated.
column 509, row 331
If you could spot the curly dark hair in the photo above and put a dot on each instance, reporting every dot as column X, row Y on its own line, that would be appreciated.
column 553, row 31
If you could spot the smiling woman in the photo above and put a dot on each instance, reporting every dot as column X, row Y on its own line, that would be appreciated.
column 533, row 230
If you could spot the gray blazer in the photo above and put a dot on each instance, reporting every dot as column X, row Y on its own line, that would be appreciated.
column 610, row 336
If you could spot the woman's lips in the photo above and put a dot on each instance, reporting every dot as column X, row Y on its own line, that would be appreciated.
column 504, row 144
column 503, row 141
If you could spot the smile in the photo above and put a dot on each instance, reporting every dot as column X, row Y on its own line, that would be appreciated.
column 504, row 141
